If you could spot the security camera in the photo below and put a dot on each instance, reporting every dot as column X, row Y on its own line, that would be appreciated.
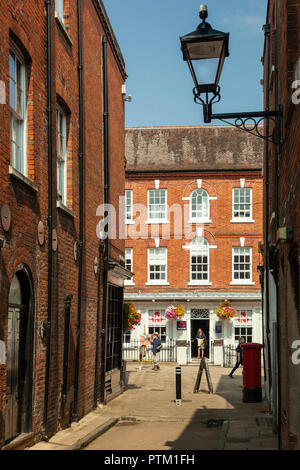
column 2, row 243
column 128, row 98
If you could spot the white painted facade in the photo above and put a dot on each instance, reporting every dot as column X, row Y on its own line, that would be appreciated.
column 200, row 311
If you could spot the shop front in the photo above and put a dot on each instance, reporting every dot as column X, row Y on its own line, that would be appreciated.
column 181, row 333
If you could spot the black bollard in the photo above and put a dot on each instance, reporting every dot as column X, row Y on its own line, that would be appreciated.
column 178, row 386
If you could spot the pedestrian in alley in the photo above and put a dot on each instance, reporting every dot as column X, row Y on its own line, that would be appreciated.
column 239, row 361
column 156, row 347
column 201, row 342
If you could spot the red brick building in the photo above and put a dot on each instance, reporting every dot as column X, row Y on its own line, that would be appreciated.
column 194, row 222
column 282, row 217
column 62, row 70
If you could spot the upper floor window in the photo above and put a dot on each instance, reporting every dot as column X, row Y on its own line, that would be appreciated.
column 242, row 204
column 60, row 8
column 18, row 104
column 128, row 206
column 129, row 264
column 157, row 265
column 199, row 261
column 242, row 265
column 199, row 205
column 157, row 205
column 62, row 156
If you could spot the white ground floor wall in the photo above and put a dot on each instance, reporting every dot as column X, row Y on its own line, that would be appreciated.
column 199, row 313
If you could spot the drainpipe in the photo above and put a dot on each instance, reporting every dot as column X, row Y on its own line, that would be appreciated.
column 96, row 380
column 278, row 152
column 50, row 209
column 106, row 201
column 267, row 30
column 81, row 209
column 68, row 302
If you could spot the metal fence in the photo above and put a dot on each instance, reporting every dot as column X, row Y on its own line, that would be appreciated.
column 229, row 356
column 131, row 351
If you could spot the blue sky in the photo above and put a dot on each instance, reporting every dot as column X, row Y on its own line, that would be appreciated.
column 158, row 79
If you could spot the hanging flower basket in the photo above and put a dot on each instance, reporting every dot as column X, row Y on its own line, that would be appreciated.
column 172, row 313
column 131, row 317
column 180, row 311
column 225, row 311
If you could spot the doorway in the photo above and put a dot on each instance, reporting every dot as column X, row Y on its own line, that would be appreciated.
column 18, row 416
column 195, row 325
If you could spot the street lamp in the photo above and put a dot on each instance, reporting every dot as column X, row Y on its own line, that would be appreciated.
column 205, row 51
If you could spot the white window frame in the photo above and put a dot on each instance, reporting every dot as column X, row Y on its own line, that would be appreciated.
column 196, row 282
column 60, row 9
column 158, row 326
column 62, row 157
column 158, row 282
column 239, row 282
column 196, row 219
column 130, row 220
column 19, row 162
column 242, row 220
column 129, row 255
column 162, row 220
column 235, row 326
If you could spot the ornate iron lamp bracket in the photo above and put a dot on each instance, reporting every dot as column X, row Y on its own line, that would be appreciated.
column 251, row 122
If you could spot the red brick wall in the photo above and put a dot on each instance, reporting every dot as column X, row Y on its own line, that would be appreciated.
column 288, row 213
column 29, row 207
column 219, row 232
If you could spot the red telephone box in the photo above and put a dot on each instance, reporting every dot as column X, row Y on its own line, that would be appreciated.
column 252, row 392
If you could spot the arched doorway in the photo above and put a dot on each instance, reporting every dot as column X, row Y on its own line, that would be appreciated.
column 18, row 417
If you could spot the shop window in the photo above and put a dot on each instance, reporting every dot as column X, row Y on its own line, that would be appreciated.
column 158, row 324
column 161, row 330
column 244, row 332
column 127, row 337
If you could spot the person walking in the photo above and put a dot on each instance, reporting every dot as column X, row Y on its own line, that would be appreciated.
column 156, row 347
column 201, row 342
column 239, row 361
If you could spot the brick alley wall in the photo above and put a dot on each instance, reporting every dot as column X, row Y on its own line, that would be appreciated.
column 27, row 197
column 284, row 202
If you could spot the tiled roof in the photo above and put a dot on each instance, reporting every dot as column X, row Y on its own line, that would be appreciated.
column 192, row 148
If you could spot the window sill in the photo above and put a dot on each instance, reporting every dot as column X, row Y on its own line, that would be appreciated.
column 157, row 283
column 242, row 221
column 199, row 221
column 158, row 221
column 24, row 179
column 62, row 27
column 199, row 283
column 129, row 222
column 236, row 283
column 65, row 209
column 129, row 283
